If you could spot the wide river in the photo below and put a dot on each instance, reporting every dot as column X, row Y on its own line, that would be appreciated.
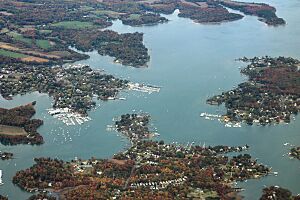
column 190, row 62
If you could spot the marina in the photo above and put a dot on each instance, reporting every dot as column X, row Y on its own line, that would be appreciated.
column 210, row 116
column 143, row 88
column 221, row 118
column 233, row 125
column 68, row 117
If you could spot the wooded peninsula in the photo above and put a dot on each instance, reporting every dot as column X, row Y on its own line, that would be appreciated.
column 271, row 95
column 17, row 127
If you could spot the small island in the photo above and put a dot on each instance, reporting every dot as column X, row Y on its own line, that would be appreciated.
column 271, row 95
column 6, row 155
column 17, row 127
column 135, row 126
column 295, row 153
column 148, row 169
column 278, row 193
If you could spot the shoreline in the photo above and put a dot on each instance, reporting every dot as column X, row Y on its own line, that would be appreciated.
column 269, row 96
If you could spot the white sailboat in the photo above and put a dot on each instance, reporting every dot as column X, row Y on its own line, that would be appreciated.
column 1, row 182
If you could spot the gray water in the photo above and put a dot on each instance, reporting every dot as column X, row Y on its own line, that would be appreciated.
column 190, row 62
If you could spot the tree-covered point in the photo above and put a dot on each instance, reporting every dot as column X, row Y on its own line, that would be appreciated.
column 271, row 94
column 143, row 19
column 127, row 49
column 17, row 127
column 277, row 193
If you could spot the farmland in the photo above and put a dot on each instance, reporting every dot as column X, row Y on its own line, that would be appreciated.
column 11, row 54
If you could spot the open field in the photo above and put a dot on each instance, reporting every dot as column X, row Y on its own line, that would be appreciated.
column 109, row 13
column 7, row 46
column 34, row 59
column 19, row 37
column 12, row 130
column 24, row 57
column 44, row 44
column 11, row 54
column 73, row 24
column 9, row 50
column 134, row 16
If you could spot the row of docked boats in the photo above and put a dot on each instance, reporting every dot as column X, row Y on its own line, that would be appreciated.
column 143, row 88
column 228, row 124
column 68, row 117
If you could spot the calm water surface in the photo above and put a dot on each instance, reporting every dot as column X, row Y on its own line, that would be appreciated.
column 190, row 62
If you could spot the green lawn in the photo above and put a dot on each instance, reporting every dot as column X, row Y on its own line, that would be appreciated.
column 20, row 37
column 73, row 24
column 106, row 12
column 11, row 54
column 134, row 16
column 44, row 44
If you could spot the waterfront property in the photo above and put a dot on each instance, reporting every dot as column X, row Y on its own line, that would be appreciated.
column 276, row 192
column 271, row 95
column 72, row 87
column 146, row 170
column 204, row 61
column 135, row 126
